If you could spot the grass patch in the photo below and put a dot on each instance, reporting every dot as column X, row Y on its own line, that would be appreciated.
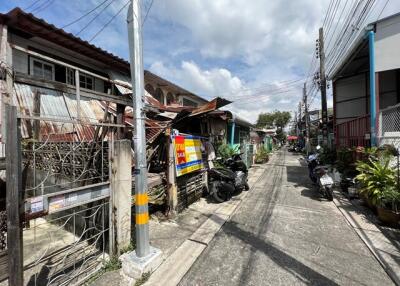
column 143, row 279
column 113, row 264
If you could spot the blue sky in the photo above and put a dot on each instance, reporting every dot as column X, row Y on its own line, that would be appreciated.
column 239, row 49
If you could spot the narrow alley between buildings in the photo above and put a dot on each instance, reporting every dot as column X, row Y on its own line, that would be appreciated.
column 286, row 233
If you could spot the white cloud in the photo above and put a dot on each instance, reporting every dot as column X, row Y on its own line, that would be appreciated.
column 252, row 30
column 208, row 83
column 248, row 102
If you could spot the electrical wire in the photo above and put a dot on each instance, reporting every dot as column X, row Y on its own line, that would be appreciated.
column 93, row 19
column 336, row 26
column 33, row 4
column 360, row 14
column 109, row 22
column 147, row 13
column 84, row 15
column 42, row 7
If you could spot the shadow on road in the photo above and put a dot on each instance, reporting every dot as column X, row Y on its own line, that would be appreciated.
column 313, row 193
column 282, row 259
column 298, row 175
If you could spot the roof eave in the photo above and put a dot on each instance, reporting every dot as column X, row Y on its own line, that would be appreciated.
column 350, row 54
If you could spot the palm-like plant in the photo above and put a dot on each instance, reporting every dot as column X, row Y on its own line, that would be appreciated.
column 375, row 177
column 390, row 199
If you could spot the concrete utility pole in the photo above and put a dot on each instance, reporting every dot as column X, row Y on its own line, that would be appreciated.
column 307, row 118
column 145, row 258
column 324, row 108
column 300, row 118
column 137, row 75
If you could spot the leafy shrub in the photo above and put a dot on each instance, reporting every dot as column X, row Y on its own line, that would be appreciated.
column 327, row 156
column 345, row 162
column 390, row 199
column 375, row 177
column 262, row 155
column 225, row 151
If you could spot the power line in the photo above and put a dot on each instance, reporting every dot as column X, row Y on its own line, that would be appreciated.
column 147, row 13
column 84, row 15
column 264, row 87
column 384, row 7
column 94, row 18
column 33, row 4
column 109, row 22
column 42, row 7
column 336, row 26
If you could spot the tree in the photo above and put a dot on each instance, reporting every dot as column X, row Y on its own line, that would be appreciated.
column 277, row 119
column 265, row 120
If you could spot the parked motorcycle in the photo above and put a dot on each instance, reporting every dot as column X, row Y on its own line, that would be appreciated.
column 231, row 177
column 319, row 175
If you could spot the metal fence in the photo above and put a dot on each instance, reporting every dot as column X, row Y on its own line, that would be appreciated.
column 65, row 145
column 389, row 126
column 354, row 133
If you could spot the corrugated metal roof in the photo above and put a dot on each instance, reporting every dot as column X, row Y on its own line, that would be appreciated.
column 57, row 105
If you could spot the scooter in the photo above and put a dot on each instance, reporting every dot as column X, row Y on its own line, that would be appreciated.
column 319, row 175
column 224, row 181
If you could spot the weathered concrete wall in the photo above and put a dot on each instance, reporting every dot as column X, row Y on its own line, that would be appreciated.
column 121, row 196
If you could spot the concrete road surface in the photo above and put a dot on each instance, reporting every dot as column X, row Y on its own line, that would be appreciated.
column 285, row 233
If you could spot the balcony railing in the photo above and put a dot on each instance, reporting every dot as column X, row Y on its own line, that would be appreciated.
column 354, row 133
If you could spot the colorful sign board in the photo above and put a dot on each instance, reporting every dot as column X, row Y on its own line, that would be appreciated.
column 187, row 154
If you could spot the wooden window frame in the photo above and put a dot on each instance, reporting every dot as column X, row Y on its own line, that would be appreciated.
column 31, row 62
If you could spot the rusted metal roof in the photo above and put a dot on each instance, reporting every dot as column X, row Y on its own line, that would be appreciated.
column 57, row 105
column 210, row 106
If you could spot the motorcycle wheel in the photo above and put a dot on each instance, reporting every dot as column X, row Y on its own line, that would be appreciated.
column 219, row 194
column 329, row 193
column 246, row 186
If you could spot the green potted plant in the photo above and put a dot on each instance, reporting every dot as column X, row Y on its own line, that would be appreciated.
column 375, row 177
column 389, row 206
column 261, row 156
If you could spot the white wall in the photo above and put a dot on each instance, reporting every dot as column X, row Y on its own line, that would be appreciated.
column 387, row 44
column 350, row 98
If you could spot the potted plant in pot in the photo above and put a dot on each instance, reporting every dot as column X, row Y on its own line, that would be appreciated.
column 375, row 177
column 389, row 206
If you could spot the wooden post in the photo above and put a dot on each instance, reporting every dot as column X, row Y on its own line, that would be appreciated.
column 14, row 197
column 7, row 86
column 78, row 94
column 36, row 112
column 172, row 190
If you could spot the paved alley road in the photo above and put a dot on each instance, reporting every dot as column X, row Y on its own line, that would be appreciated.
column 285, row 233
